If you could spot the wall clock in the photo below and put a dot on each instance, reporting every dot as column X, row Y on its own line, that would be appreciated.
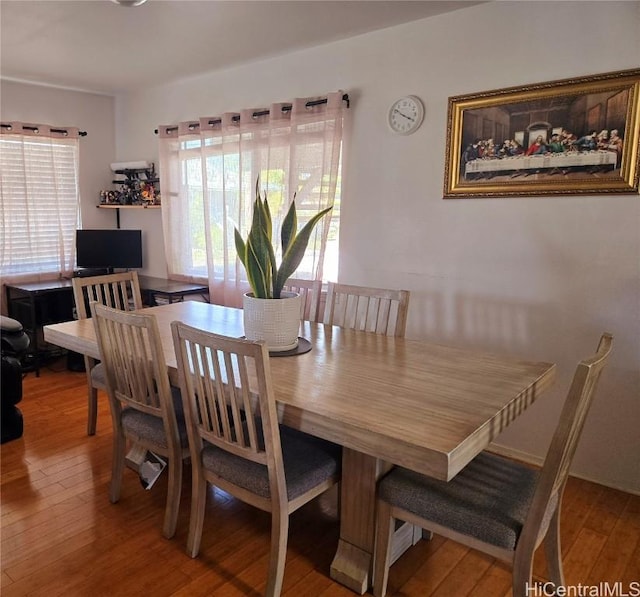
column 406, row 114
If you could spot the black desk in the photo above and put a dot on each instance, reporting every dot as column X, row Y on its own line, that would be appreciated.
column 36, row 304
column 40, row 303
column 171, row 290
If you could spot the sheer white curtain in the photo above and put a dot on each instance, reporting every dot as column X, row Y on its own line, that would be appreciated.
column 39, row 200
column 208, row 172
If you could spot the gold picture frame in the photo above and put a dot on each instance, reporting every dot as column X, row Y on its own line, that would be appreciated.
column 575, row 136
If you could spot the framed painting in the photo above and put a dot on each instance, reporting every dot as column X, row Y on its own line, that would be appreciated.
column 568, row 137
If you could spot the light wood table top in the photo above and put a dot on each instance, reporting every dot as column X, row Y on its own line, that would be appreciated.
column 427, row 407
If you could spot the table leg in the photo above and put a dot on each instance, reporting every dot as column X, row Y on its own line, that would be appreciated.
column 34, row 333
column 353, row 561
column 352, row 565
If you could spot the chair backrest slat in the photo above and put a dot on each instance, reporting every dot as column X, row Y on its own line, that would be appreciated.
column 310, row 291
column 135, row 369
column 575, row 411
column 555, row 469
column 118, row 291
column 376, row 310
column 230, row 379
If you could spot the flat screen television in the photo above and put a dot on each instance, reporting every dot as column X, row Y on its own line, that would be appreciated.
column 109, row 249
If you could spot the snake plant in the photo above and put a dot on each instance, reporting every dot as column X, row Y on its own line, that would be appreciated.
column 257, row 254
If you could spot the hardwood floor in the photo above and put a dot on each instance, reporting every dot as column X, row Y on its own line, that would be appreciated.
column 62, row 536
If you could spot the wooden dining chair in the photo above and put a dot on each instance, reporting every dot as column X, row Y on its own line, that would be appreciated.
column 498, row 506
column 235, row 440
column 120, row 291
column 310, row 292
column 145, row 409
column 366, row 309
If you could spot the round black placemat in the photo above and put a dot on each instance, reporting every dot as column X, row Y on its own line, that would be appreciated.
column 303, row 346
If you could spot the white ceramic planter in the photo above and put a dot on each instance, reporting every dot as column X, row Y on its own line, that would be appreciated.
column 276, row 321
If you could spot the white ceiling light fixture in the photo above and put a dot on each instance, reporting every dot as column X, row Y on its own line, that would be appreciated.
column 129, row 2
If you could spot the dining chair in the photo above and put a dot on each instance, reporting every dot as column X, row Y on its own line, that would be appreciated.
column 236, row 443
column 367, row 309
column 120, row 291
column 500, row 507
column 145, row 409
column 309, row 290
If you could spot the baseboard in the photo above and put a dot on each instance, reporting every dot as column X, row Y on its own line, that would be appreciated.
column 538, row 461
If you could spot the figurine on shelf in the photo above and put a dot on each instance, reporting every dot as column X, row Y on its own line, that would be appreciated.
column 136, row 186
column 148, row 192
column 109, row 198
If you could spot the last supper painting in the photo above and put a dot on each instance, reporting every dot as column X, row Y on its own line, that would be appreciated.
column 574, row 136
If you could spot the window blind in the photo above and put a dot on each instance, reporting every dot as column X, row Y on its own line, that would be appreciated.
column 40, row 203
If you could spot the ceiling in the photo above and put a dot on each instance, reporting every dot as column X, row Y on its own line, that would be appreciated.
column 96, row 45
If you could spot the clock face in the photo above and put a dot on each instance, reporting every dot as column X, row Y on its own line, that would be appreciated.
column 406, row 114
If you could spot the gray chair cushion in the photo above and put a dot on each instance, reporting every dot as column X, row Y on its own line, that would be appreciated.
column 150, row 427
column 308, row 461
column 489, row 499
column 98, row 377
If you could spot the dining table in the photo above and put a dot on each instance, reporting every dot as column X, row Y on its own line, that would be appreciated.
column 387, row 400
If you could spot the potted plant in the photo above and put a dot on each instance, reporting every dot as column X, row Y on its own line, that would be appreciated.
column 271, row 314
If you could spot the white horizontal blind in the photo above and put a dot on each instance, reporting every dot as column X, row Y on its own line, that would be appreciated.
column 40, row 203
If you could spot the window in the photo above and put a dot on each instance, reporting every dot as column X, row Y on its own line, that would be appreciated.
column 208, row 173
column 39, row 199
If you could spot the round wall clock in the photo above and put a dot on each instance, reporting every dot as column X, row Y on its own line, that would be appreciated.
column 406, row 114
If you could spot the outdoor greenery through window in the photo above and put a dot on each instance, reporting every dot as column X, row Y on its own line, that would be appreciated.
column 40, row 201
column 220, row 236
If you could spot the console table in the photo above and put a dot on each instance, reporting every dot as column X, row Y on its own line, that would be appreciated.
column 171, row 290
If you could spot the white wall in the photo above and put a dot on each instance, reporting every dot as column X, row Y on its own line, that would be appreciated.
column 90, row 112
column 539, row 278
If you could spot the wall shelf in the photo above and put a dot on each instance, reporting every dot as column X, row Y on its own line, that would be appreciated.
column 128, row 206
column 119, row 207
column 138, row 190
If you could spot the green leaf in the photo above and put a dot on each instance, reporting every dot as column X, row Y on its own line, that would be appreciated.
column 256, row 218
column 255, row 271
column 292, row 258
column 241, row 248
column 264, row 255
column 266, row 243
column 289, row 226
column 266, row 218
column 257, row 254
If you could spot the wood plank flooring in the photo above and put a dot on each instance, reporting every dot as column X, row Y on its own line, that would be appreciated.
column 62, row 536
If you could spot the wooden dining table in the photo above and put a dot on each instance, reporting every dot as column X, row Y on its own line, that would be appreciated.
column 386, row 400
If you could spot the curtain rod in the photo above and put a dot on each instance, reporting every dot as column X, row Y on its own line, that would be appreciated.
column 285, row 108
column 35, row 129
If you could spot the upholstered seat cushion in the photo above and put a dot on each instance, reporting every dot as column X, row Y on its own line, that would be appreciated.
column 308, row 461
column 489, row 499
column 98, row 377
column 150, row 427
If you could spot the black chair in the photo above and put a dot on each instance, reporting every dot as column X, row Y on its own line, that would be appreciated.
column 14, row 343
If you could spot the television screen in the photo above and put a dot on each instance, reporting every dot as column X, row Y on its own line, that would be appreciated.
column 109, row 249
